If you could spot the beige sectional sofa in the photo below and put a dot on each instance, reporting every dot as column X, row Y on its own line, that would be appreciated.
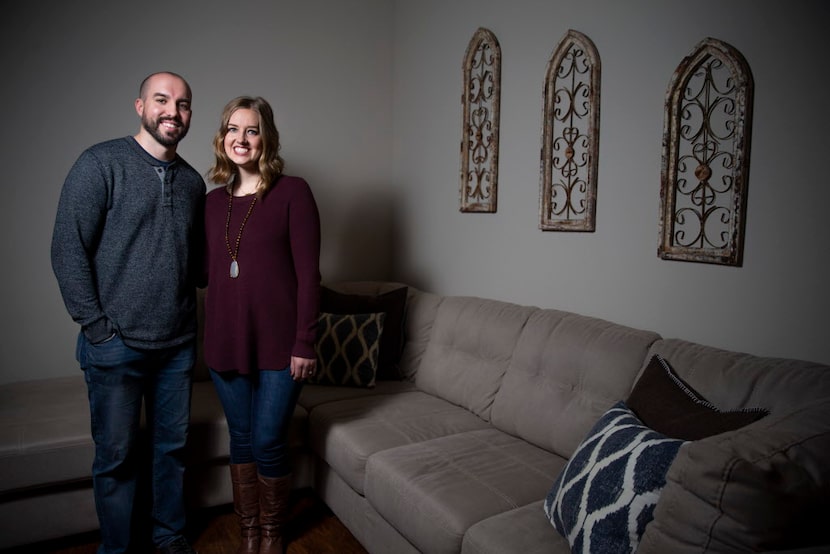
column 461, row 454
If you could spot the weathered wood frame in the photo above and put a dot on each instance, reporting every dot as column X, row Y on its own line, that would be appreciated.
column 570, row 136
column 705, row 162
column 481, row 102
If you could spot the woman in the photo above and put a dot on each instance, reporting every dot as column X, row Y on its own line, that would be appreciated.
column 262, row 259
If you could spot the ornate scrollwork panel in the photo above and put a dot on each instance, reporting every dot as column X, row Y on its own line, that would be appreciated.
column 705, row 165
column 480, row 131
column 570, row 136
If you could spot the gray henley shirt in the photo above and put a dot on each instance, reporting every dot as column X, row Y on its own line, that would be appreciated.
column 127, row 245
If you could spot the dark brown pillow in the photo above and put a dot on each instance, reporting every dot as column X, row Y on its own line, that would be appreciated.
column 393, row 304
column 664, row 402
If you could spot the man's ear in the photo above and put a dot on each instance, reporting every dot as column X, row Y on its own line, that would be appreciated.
column 139, row 106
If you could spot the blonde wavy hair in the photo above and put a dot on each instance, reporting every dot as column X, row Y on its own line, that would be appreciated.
column 271, row 165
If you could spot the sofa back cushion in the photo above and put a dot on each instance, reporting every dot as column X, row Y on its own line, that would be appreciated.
column 765, row 486
column 421, row 309
column 734, row 380
column 470, row 346
column 567, row 370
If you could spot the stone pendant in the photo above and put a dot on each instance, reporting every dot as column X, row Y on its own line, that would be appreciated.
column 234, row 269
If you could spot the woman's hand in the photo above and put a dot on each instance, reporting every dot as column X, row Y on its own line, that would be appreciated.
column 302, row 368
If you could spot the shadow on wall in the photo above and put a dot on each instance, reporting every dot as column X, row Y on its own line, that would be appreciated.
column 364, row 239
column 358, row 235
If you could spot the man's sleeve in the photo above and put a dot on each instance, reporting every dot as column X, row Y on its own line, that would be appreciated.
column 79, row 221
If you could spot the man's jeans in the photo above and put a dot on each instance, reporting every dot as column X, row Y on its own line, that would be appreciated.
column 258, row 408
column 118, row 379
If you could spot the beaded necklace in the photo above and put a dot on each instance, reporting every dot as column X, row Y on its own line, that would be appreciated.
column 234, row 273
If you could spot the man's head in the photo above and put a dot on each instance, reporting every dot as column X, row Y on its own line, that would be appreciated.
column 163, row 104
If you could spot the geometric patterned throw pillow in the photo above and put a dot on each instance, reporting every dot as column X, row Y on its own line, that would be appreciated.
column 347, row 349
column 393, row 304
column 606, row 494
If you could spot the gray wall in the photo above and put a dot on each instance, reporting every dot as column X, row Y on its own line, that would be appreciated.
column 367, row 98
column 776, row 304
column 70, row 75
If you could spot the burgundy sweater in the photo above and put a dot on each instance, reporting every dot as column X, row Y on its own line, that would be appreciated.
column 269, row 312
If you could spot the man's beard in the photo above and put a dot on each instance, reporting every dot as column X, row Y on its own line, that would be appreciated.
column 162, row 136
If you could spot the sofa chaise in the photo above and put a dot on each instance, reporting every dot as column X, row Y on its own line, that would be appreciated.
column 496, row 432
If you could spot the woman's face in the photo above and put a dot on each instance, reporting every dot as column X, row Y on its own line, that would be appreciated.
column 243, row 142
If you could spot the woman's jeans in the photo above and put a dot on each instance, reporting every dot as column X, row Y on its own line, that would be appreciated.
column 258, row 408
column 118, row 379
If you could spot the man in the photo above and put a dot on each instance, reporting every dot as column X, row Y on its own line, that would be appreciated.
column 126, row 251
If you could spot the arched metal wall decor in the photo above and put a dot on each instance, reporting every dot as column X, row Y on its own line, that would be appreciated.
column 705, row 164
column 570, row 136
column 480, row 131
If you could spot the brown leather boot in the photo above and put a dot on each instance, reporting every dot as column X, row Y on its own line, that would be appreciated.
column 246, row 505
column 273, row 512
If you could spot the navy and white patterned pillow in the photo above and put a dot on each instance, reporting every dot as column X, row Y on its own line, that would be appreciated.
column 605, row 495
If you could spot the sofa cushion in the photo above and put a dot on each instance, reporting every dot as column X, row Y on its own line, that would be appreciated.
column 60, row 512
column 434, row 491
column 661, row 400
column 735, row 380
column 605, row 496
column 391, row 303
column 311, row 397
column 470, row 347
column 762, row 487
column 347, row 432
column 45, row 434
column 347, row 349
column 568, row 369
column 522, row 530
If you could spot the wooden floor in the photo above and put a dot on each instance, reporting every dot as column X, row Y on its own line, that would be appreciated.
column 313, row 529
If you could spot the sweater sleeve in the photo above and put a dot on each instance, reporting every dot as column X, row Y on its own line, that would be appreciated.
column 82, row 210
column 304, row 229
